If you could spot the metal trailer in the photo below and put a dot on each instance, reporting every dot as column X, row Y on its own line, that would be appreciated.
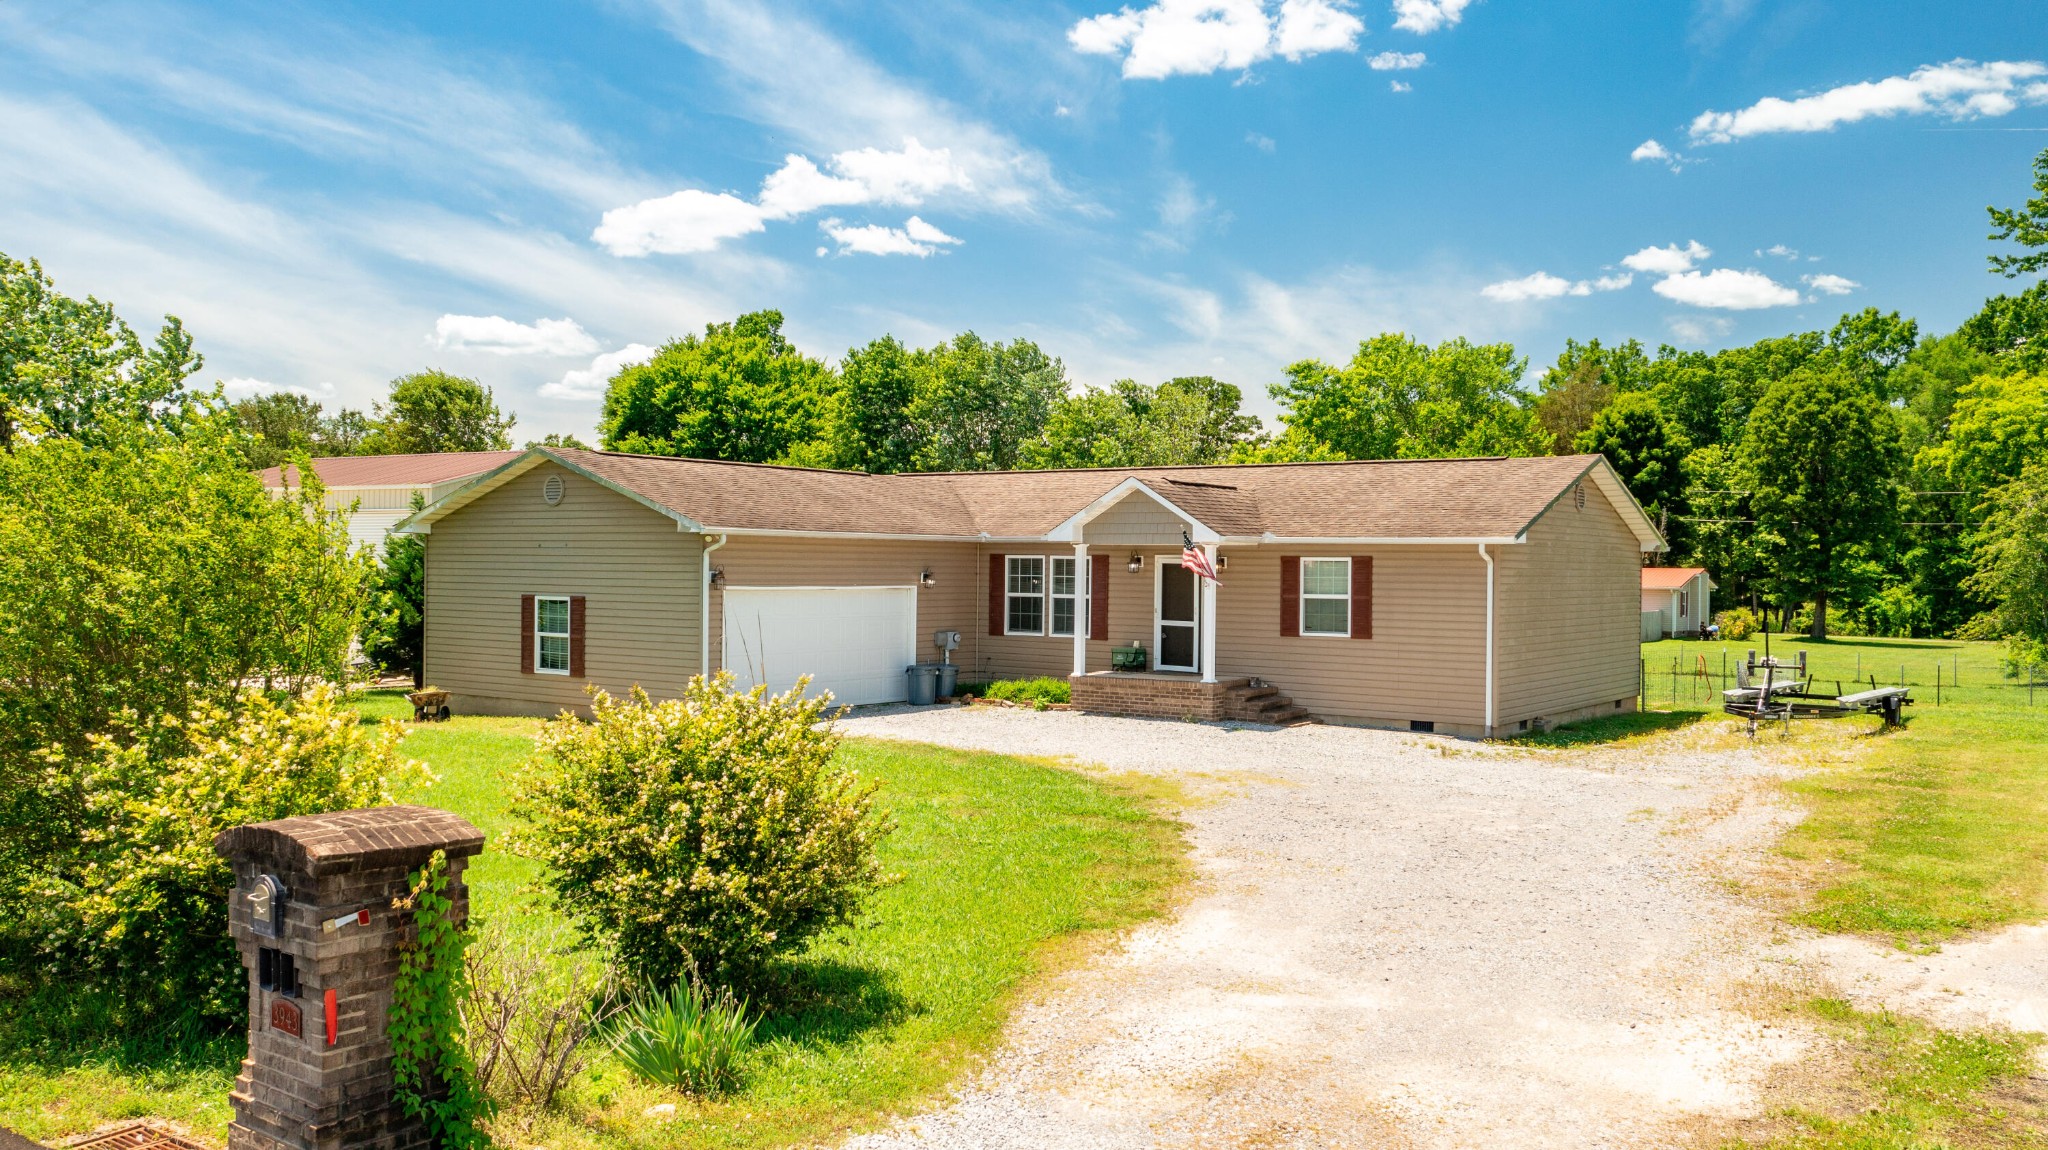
column 1768, row 690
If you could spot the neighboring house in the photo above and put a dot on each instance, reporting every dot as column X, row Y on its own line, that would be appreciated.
column 1676, row 601
column 1468, row 596
column 381, row 487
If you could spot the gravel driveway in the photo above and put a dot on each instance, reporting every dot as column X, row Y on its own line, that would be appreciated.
column 1395, row 940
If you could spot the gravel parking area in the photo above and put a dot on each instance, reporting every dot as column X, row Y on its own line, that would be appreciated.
column 1396, row 940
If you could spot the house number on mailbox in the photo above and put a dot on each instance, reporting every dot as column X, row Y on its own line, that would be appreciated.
column 285, row 1016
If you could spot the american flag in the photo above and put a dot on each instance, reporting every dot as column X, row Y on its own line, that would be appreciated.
column 1191, row 557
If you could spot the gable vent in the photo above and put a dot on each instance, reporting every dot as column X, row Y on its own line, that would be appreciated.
column 552, row 490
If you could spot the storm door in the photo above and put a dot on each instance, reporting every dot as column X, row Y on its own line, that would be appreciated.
column 1178, row 610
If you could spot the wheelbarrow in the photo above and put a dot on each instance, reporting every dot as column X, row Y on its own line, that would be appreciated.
column 429, row 706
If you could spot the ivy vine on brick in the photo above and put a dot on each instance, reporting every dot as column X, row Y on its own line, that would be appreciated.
column 436, row 1081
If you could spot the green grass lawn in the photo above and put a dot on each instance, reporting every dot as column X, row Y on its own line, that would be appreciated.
column 1012, row 869
column 1942, row 828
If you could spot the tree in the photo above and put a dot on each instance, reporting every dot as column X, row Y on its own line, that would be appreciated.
column 2013, row 328
column 1999, row 424
column 2026, row 226
column 151, row 574
column 1224, row 425
column 981, row 402
column 1720, row 531
column 2012, row 564
column 1402, row 399
column 1823, row 456
column 871, row 427
column 1873, row 345
column 71, row 367
column 1638, row 441
column 280, row 424
column 432, row 411
column 1570, row 401
column 558, row 439
column 398, row 637
column 740, row 392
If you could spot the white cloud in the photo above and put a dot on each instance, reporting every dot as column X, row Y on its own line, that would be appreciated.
column 1727, row 289
column 1959, row 90
column 1399, row 86
column 590, row 382
column 798, row 187
column 1613, row 282
column 497, row 335
column 1667, row 260
column 1657, row 153
column 1698, row 331
column 1397, row 61
column 1538, row 285
column 1263, row 143
column 1197, row 37
column 914, row 238
column 1781, row 251
column 685, row 221
column 1425, row 16
column 1831, row 284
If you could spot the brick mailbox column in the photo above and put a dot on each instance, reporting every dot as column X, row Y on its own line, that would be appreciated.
column 312, row 916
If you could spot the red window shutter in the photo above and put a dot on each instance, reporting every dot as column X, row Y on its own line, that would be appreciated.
column 575, row 636
column 996, row 601
column 1290, row 595
column 1098, row 596
column 1361, row 596
column 526, row 634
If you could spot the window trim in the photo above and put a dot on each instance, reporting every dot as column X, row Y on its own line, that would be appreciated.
column 567, row 635
column 1044, row 591
column 1301, row 608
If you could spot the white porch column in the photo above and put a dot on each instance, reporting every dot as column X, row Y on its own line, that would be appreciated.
column 1083, row 608
column 1208, row 617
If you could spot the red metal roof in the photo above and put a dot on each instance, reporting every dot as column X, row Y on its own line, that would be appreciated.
column 1669, row 578
column 394, row 470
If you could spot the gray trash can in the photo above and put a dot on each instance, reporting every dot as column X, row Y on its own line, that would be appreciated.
column 949, row 680
column 924, row 683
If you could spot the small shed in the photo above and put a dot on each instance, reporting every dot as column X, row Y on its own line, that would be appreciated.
column 1676, row 601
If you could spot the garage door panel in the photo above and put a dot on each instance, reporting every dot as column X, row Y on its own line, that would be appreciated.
column 852, row 641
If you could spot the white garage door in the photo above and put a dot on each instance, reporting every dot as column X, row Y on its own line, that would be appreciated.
column 851, row 641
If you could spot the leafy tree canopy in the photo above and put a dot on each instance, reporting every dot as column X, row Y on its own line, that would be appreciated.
column 1873, row 345
column 1182, row 421
column 1402, row 399
column 740, row 392
column 983, row 402
column 2013, row 328
column 2026, row 225
column 2012, row 564
column 70, row 367
column 1640, row 443
column 281, row 424
column 871, row 427
column 433, row 411
column 2000, row 424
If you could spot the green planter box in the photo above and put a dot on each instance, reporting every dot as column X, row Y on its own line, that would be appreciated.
column 1128, row 659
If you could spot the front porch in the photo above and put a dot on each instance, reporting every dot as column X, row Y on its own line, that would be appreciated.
column 1170, row 695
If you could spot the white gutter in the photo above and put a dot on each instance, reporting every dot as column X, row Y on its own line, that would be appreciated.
column 704, row 624
column 1489, row 639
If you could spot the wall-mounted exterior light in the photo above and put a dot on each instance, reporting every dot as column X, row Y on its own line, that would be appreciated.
column 1137, row 564
column 925, row 578
column 718, row 576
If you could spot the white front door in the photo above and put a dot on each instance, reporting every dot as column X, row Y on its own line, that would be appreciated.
column 852, row 641
column 1176, row 602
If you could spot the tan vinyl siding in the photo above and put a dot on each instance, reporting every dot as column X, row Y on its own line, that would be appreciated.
column 1426, row 659
column 1137, row 521
column 1030, row 656
column 1569, row 617
column 951, row 603
column 638, row 572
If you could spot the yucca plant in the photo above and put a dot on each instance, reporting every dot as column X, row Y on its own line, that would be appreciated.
column 687, row 1038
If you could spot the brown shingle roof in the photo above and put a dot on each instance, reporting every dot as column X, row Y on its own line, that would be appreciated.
column 1381, row 499
column 394, row 470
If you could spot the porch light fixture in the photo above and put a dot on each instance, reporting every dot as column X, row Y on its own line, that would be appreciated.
column 718, row 576
column 925, row 578
column 1137, row 564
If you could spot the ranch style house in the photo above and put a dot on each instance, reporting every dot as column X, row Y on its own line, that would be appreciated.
column 1464, row 596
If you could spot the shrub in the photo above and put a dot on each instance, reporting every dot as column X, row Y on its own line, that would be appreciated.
column 709, row 833
column 532, row 1009
column 432, row 1076
column 1738, row 624
column 144, row 907
column 1894, row 612
column 1039, row 692
column 687, row 1038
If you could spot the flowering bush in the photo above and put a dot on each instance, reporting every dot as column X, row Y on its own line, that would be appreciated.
column 708, row 833
column 144, row 901
column 1738, row 624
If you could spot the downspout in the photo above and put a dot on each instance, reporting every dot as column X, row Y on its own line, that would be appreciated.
column 704, row 624
column 1489, row 638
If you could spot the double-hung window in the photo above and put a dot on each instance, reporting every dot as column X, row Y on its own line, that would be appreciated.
column 1025, row 594
column 551, row 634
column 1326, row 597
column 1069, row 601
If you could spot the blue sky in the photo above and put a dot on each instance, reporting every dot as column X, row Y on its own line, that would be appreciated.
column 333, row 195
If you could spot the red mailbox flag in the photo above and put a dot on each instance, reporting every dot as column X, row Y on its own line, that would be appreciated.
column 333, row 1018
